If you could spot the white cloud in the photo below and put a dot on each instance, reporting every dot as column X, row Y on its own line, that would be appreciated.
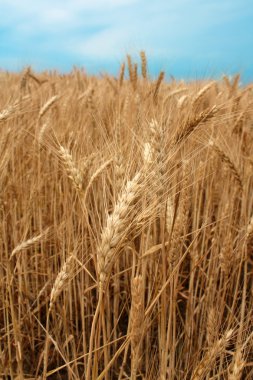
column 107, row 43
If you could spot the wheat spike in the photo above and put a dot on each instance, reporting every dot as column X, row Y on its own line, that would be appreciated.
column 121, row 74
column 4, row 114
column 181, row 101
column 202, row 92
column 135, row 76
column 227, row 160
column 205, row 365
column 62, row 279
column 147, row 153
column 130, row 68
column 158, row 85
column 137, row 321
column 47, row 105
column 96, row 174
column 237, row 366
column 211, row 326
column 143, row 64
column 28, row 243
column 226, row 255
column 169, row 214
column 116, row 226
column 73, row 172
column 193, row 123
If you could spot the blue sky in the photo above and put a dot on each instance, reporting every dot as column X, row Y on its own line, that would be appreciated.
column 186, row 38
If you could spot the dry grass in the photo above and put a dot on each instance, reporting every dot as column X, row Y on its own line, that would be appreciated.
column 126, row 214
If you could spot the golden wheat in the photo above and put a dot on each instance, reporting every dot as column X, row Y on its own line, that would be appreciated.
column 156, row 212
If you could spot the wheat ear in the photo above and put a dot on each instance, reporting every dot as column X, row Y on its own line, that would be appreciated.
column 62, row 279
column 192, row 124
column 237, row 366
column 72, row 171
column 114, row 230
column 42, row 131
column 202, row 92
column 137, row 321
column 95, row 175
column 135, row 76
column 119, row 172
column 170, row 211
column 121, row 74
column 181, row 102
column 211, row 326
column 143, row 64
column 5, row 113
column 47, row 106
column 158, row 85
column 24, row 78
column 116, row 226
column 227, row 160
column 209, row 358
column 28, row 243
column 130, row 69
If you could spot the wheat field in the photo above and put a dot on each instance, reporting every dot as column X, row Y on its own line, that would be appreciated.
column 126, row 226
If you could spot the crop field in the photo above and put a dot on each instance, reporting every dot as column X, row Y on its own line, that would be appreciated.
column 126, row 226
